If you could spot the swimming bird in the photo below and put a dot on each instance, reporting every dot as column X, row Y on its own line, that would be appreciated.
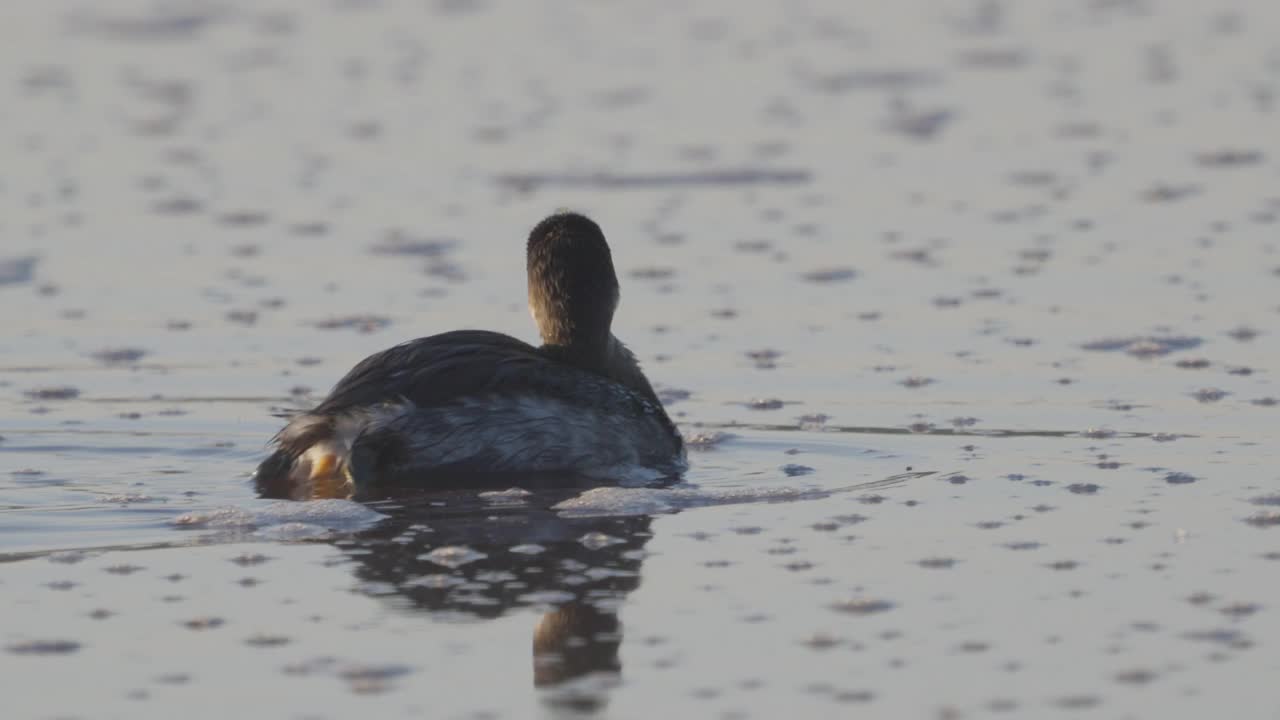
column 473, row 405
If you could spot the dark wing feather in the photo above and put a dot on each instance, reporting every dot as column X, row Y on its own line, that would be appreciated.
column 439, row 369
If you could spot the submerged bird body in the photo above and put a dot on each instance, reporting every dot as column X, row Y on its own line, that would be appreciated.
column 473, row 403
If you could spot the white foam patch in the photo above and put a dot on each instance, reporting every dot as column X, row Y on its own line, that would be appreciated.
column 628, row 475
column 621, row 501
column 293, row 532
column 510, row 497
column 317, row 515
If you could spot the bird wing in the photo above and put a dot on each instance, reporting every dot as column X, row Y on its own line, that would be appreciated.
column 441, row 369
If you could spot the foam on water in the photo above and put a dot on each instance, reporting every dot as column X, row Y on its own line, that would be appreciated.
column 623, row 501
column 286, row 520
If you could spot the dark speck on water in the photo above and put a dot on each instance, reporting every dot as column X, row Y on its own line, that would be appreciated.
column 118, row 356
column 360, row 323
column 399, row 242
column 44, row 647
column 830, row 275
column 14, row 271
column 53, row 393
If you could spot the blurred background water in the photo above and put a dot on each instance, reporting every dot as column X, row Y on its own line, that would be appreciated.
column 966, row 307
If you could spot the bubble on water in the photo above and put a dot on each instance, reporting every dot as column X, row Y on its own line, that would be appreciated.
column 917, row 123
column 177, row 205
column 1209, row 394
column 242, row 317
column 1264, row 519
column 527, row 549
column 70, row 557
column 862, row 606
column 1136, row 676
column 131, row 499
column 597, row 540
column 15, row 271
column 264, row 640
column 509, row 497
column 1180, row 478
column 453, row 556
column 897, row 79
column 1078, row 702
column 243, row 218
column 63, row 392
column 1143, row 346
column 1098, row 433
column 249, row 559
column 435, row 581
column 118, row 356
column 821, row 641
column 1243, row 333
column 1239, row 610
column 203, row 623
column 367, row 679
column 706, row 440
column 1230, row 157
column 401, row 243
column 337, row 515
column 44, row 647
column 916, row 381
column 793, row 470
column 937, row 563
column 826, row 276
column 548, row 597
column 220, row 518
column 293, row 532
column 366, row 323
column 1227, row 638
column 764, row 404
column 765, row 359
column 1084, row 488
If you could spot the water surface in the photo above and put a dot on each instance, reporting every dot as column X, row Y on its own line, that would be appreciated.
column 968, row 309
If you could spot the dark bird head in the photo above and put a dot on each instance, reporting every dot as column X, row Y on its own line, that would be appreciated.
column 573, row 290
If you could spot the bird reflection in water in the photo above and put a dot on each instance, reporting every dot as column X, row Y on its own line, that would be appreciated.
column 514, row 552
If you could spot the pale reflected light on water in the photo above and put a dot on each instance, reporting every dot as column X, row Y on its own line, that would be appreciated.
column 967, row 310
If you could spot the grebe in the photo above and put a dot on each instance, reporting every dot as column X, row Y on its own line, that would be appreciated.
column 468, row 404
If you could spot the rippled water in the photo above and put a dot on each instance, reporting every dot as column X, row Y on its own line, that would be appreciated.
column 968, row 309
